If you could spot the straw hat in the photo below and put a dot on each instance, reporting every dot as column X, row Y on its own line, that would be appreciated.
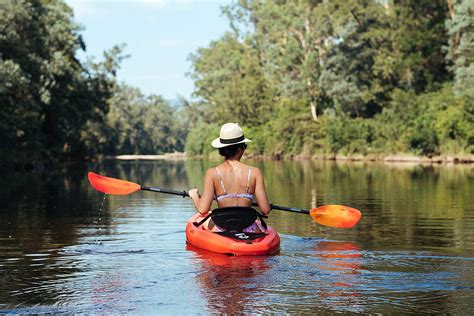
column 231, row 134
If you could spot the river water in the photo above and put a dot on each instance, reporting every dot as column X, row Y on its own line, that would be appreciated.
column 67, row 248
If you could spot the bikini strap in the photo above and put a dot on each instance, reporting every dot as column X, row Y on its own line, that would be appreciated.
column 220, row 179
column 248, row 180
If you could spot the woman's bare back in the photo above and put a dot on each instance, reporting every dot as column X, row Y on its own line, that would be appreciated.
column 234, row 184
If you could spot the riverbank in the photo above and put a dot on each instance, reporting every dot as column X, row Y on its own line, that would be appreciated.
column 167, row 156
column 402, row 158
column 446, row 159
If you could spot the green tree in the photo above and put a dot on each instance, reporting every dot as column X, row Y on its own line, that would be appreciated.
column 200, row 138
column 227, row 77
column 326, row 53
column 418, row 38
column 139, row 124
column 288, row 44
column 373, row 72
column 47, row 95
column 355, row 74
column 461, row 45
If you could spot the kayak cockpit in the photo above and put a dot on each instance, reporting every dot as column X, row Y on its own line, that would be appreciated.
column 234, row 237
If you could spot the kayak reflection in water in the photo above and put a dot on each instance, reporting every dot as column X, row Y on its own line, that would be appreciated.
column 341, row 264
column 231, row 285
column 231, row 183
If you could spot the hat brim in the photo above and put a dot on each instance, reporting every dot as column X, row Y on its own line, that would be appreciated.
column 216, row 143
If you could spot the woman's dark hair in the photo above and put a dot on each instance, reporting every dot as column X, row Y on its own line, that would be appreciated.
column 230, row 151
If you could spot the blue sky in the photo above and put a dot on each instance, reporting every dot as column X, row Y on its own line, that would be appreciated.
column 160, row 35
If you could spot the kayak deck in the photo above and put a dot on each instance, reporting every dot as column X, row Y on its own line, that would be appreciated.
column 204, row 239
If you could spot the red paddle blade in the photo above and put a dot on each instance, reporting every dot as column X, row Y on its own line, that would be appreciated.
column 339, row 216
column 112, row 186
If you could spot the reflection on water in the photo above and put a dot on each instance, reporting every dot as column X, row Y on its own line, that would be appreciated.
column 413, row 250
column 230, row 285
column 342, row 261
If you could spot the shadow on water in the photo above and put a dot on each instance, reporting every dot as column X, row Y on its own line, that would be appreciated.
column 44, row 216
column 39, row 215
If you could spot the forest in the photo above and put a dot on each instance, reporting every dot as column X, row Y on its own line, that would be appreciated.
column 303, row 78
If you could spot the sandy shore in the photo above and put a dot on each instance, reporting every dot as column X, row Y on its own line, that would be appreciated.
column 398, row 159
column 461, row 159
column 167, row 156
column 467, row 159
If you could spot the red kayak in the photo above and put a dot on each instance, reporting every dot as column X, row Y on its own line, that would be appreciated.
column 245, row 245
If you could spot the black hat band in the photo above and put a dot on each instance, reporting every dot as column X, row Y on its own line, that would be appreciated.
column 232, row 140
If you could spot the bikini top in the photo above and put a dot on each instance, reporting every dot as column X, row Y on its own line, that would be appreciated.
column 226, row 195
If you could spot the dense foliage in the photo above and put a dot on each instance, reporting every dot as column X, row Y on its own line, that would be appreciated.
column 141, row 124
column 47, row 96
column 310, row 77
column 342, row 77
column 54, row 107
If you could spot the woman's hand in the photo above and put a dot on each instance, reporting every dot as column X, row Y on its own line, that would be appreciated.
column 194, row 194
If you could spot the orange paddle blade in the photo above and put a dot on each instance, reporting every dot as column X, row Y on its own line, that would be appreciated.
column 339, row 216
column 112, row 186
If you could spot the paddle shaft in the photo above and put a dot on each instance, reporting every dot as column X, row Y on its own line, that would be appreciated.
column 166, row 191
column 185, row 194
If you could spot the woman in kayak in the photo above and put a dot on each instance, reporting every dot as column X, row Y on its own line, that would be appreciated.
column 232, row 183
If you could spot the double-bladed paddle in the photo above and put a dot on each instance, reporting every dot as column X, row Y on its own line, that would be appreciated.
column 338, row 216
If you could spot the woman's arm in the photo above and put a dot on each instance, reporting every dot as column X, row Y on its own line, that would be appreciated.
column 203, row 203
column 260, row 193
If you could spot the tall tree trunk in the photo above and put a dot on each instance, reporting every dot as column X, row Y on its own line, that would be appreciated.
column 452, row 14
column 313, row 111
column 451, row 8
column 313, row 102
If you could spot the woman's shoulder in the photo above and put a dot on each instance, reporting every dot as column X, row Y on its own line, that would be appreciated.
column 254, row 170
column 211, row 170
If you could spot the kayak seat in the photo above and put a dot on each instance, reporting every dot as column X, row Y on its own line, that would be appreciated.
column 234, row 220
